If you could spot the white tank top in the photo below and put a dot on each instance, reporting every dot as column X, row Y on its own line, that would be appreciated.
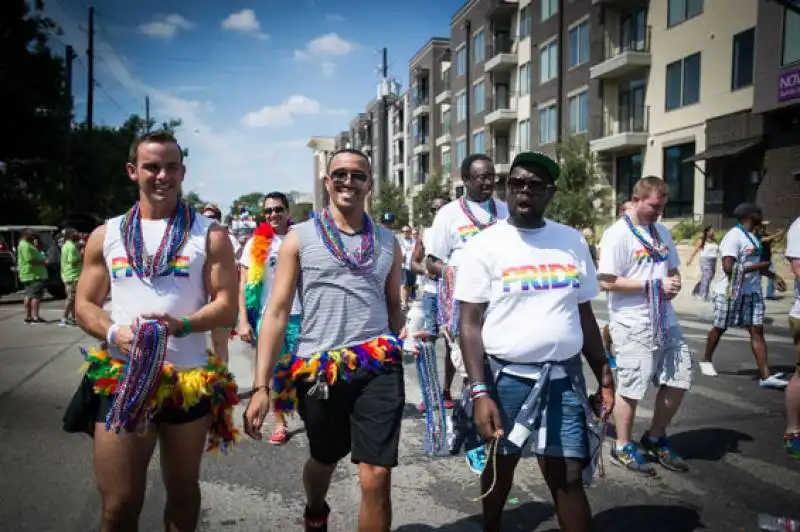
column 180, row 293
column 710, row 250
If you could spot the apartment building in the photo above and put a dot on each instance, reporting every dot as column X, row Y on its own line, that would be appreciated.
column 398, row 132
column 425, row 122
column 322, row 148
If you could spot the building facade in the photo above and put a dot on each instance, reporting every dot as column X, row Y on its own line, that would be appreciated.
column 322, row 148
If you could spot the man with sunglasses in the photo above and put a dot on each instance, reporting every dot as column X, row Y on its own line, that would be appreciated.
column 276, row 215
column 346, row 375
column 525, row 287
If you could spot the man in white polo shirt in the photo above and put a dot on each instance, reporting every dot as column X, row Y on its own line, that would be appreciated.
column 525, row 287
column 791, row 439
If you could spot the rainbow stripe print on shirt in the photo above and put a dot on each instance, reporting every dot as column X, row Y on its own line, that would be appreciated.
column 121, row 269
column 540, row 277
column 180, row 266
column 641, row 255
column 465, row 232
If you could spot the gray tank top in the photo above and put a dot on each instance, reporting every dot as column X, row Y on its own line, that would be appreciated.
column 341, row 306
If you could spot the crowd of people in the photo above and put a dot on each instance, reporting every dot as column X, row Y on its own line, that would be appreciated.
column 323, row 304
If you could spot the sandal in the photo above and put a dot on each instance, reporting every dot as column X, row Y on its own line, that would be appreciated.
column 279, row 436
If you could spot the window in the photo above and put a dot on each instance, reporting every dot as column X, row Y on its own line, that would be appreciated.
column 524, row 79
column 790, row 49
column 461, row 61
column 477, row 142
column 578, row 113
column 445, row 121
column 679, row 176
column 548, row 62
column 743, row 59
column 628, row 172
column 681, row 10
column 446, row 80
column 461, row 151
column 579, row 44
column 549, row 8
column 461, row 107
column 683, row 82
column 547, row 124
column 446, row 154
column 633, row 31
column 525, row 22
column 524, row 135
column 478, row 47
column 478, row 98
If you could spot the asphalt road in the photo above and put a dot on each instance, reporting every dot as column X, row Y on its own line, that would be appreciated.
column 728, row 429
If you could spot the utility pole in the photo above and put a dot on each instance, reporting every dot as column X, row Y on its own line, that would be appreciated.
column 69, row 56
column 560, row 81
column 147, row 113
column 90, row 69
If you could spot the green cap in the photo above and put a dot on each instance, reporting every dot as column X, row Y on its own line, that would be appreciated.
column 537, row 157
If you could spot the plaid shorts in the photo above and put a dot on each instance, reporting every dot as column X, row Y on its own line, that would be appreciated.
column 746, row 310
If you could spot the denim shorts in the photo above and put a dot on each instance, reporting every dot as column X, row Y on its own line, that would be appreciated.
column 430, row 307
column 566, row 420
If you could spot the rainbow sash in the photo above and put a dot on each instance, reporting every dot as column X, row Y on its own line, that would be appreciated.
column 254, row 286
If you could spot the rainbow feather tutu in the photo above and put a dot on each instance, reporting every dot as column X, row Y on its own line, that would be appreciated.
column 178, row 389
column 339, row 365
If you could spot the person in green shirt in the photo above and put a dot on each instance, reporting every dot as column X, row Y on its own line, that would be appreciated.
column 32, row 271
column 71, row 264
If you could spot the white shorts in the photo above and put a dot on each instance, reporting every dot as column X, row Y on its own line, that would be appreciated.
column 640, row 361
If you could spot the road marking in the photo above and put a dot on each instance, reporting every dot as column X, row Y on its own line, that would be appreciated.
column 728, row 399
column 781, row 477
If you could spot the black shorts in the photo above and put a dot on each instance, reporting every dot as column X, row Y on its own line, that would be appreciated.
column 34, row 289
column 361, row 417
column 408, row 278
column 86, row 409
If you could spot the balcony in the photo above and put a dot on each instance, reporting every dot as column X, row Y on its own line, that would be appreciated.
column 501, row 56
column 502, row 156
column 397, row 131
column 629, row 129
column 443, row 96
column 443, row 139
column 421, row 106
column 503, row 112
column 502, row 8
column 623, row 59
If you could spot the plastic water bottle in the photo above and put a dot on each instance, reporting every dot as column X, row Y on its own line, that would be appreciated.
column 415, row 322
column 778, row 524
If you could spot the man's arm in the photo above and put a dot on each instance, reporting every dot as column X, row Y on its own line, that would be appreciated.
column 392, row 290
column 418, row 258
column 93, row 287
column 276, row 313
column 243, row 322
column 471, row 340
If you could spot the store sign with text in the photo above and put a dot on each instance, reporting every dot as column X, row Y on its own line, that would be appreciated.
column 789, row 85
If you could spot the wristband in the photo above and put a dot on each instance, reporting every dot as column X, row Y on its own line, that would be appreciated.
column 255, row 389
column 479, row 389
column 185, row 329
column 111, row 334
column 479, row 394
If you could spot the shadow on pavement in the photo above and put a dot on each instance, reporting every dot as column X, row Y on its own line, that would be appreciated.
column 753, row 372
column 648, row 517
column 710, row 444
column 525, row 517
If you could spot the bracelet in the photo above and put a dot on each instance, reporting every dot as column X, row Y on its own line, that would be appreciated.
column 479, row 394
column 185, row 329
column 111, row 334
column 255, row 389
column 478, row 389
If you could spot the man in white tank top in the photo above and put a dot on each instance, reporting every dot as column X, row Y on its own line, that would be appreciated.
column 160, row 261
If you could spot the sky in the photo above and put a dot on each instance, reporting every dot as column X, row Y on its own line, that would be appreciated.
column 252, row 82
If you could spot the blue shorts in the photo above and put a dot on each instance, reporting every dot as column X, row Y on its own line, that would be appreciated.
column 567, row 434
column 430, row 307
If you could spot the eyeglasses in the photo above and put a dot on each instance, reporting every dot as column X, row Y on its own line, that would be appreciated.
column 276, row 210
column 340, row 176
column 518, row 184
column 485, row 178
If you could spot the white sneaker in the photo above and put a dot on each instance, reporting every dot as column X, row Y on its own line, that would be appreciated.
column 775, row 380
column 707, row 369
column 62, row 323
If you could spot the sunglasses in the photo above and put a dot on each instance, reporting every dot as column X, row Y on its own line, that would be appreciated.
column 340, row 176
column 276, row 210
column 518, row 184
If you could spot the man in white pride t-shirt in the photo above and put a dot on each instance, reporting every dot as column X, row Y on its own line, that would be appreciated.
column 276, row 212
column 791, row 439
column 525, row 288
column 737, row 293
column 639, row 268
column 459, row 221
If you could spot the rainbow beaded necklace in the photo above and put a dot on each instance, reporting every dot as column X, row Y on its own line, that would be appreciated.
column 363, row 258
column 176, row 235
column 462, row 202
column 656, row 249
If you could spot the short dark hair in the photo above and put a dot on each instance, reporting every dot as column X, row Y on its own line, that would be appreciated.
column 280, row 196
column 466, row 164
column 160, row 136
column 70, row 233
column 352, row 152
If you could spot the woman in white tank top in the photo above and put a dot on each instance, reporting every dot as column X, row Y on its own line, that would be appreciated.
column 708, row 249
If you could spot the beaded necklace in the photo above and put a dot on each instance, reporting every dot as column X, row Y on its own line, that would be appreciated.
column 756, row 243
column 738, row 274
column 176, row 235
column 363, row 258
column 657, row 250
column 462, row 202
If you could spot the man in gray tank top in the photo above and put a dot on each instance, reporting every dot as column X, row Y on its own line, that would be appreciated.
column 346, row 377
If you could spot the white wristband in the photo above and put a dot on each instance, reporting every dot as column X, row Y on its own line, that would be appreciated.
column 111, row 334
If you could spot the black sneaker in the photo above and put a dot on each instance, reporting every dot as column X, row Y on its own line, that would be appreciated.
column 662, row 453
column 317, row 523
column 28, row 321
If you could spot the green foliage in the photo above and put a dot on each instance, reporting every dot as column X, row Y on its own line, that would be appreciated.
column 253, row 202
column 300, row 211
column 578, row 187
column 686, row 229
column 194, row 200
column 390, row 199
column 421, row 204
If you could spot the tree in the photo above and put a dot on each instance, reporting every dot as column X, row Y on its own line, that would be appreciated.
column 434, row 188
column 300, row 211
column 579, row 193
column 390, row 200
column 192, row 199
column 252, row 202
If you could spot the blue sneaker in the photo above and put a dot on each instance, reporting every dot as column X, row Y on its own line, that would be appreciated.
column 632, row 459
column 665, row 455
column 612, row 362
column 476, row 459
column 791, row 442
